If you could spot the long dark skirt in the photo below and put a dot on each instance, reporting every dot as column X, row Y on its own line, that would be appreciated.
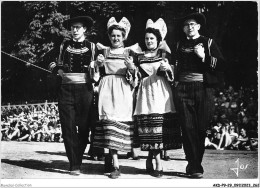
column 159, row 131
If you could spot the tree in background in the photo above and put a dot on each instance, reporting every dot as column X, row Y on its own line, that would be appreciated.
column 33, row 32
column 39, row 42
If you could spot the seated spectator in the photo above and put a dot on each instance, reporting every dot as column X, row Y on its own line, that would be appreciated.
column 253, row 139
column 34, row 129
column 225, row 139
column 21, row 132
column 218, row 126
column 51, row 128
column 38, row 134
column 14, row 130
column 12, row 127
column 209, row 140
column 25, row 132
column 242, row 141
column 233, row 135
column 45, row 132
column 5, row 126
column 58, row 134
column 253, row 144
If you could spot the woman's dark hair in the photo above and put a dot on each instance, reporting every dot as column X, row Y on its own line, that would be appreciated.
column 116, row 27
column 156, row 32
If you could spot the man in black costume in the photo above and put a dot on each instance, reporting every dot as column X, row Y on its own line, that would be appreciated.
column 198, row 62
column 75, row 98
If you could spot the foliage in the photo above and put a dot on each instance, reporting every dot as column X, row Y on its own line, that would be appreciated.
column 35, row 31
column 45, row 29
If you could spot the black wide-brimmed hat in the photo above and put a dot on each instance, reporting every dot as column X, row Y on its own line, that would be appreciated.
column 198, row 17
column 85, row 20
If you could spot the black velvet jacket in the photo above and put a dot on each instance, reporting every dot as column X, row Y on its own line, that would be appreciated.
column 187, row 61
column 75, row 57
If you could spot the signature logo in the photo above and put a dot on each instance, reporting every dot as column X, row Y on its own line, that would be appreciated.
column 239, row 167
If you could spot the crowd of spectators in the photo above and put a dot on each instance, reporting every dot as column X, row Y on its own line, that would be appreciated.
column 25, row 125
column 235, row 122
column 233, row 126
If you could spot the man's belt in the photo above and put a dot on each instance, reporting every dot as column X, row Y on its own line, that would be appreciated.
column 74, row 78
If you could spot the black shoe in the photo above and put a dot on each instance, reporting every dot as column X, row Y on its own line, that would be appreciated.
column 157, row 173
column 100, row 158
column 75, row 172
column 149, row 167
column 108, row 167
column 131, row 155
column 196, row 175
column 166, row 158
column 93, row 158
column 188, row 169
column 97, row 158
column 136, row 158
column 115, row 173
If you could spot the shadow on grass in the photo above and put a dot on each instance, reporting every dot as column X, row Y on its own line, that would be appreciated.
column 59, row 166
column 85, row 156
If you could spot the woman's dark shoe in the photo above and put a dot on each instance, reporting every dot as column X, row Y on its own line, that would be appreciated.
column 93, row 157
column 157, row 173
column 149, row 167
column 132, row 155
column 136, row 158
column 108, row 167
column 128, row 155
column 166, row 158
column 97, row 158
column 100, row 158
column 115, row 173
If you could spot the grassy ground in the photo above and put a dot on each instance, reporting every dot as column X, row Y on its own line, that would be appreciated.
column 42, row 160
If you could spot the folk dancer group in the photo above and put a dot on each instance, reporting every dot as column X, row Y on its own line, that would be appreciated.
column 145, row 99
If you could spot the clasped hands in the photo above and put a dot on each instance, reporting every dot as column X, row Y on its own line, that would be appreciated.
column 164, row 66
column 100, row 60
column 129, row 62
column 60, row 72
column 200, row 51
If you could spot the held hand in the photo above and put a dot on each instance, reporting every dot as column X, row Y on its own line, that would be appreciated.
column 100, row 60
column 95, row 89
column 60, row 72
column 200, row 51
column 129, row 62
column 165, row 65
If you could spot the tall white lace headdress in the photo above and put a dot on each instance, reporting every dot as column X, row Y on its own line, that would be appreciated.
column 159, row 24
column 124, row 23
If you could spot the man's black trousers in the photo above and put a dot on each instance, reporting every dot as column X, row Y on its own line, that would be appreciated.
column 75, row 104
column 195, row 104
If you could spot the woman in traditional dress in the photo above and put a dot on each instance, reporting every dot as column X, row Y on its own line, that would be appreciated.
column 115, row 129
column 155, row 111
